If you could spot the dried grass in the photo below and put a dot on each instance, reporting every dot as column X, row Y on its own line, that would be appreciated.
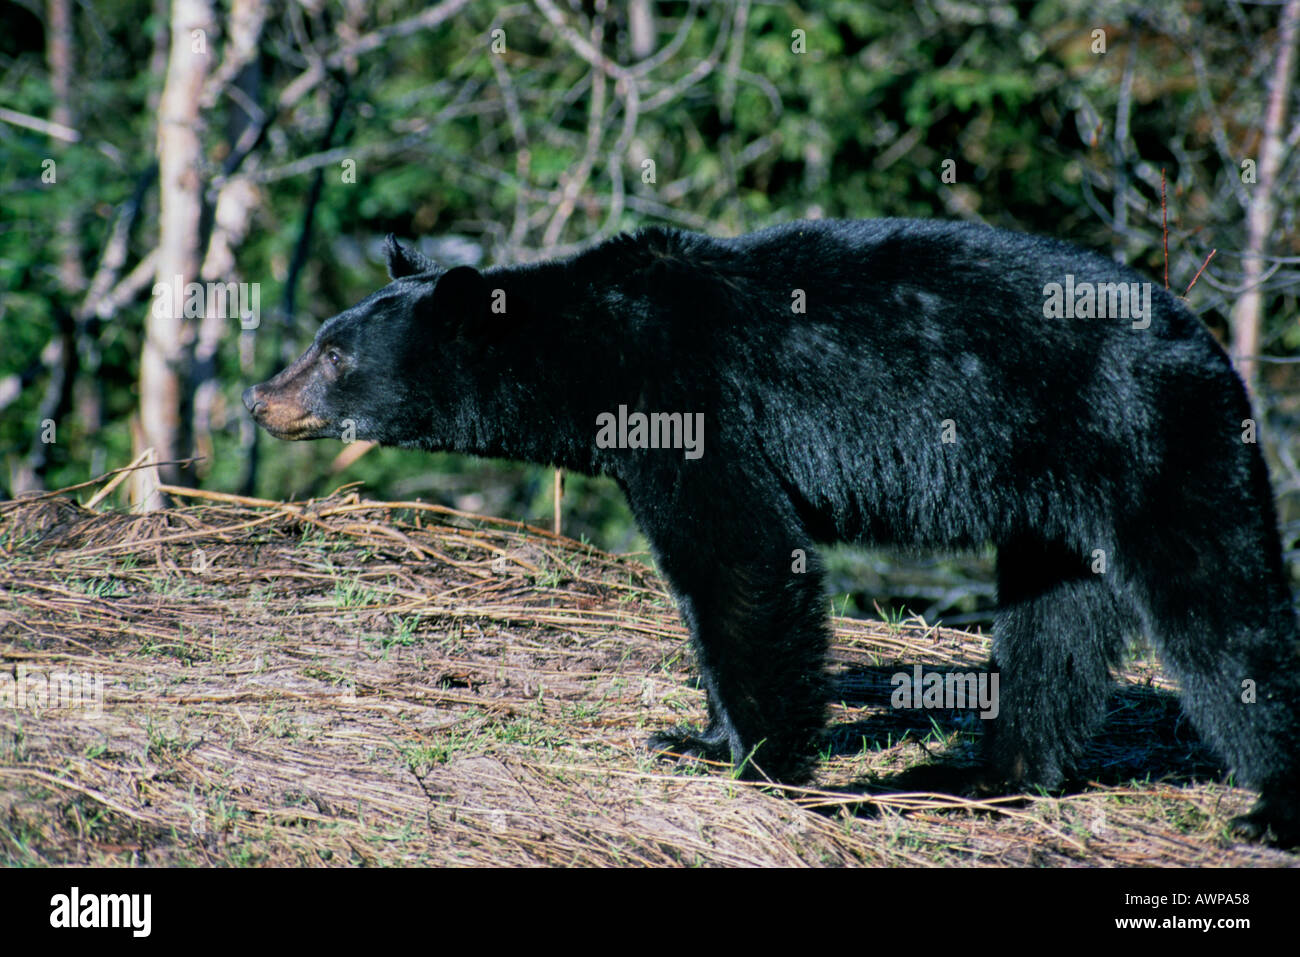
column 353, row 682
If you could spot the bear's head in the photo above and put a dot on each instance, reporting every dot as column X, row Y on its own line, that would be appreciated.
column 393, row 369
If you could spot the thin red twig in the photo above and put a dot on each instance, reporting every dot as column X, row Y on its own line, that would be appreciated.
column 1199, row 271
column 1164, row 226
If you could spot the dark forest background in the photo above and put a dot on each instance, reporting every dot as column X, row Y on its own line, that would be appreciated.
column 277, row 144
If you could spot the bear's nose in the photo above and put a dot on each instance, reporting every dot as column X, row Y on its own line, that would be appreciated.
column 251, row 402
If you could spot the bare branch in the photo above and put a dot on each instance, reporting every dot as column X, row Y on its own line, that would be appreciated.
column 55, row 130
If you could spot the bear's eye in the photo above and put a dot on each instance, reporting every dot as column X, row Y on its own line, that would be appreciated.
column 333, row 357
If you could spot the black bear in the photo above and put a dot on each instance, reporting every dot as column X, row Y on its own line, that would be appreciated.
column 914, row 383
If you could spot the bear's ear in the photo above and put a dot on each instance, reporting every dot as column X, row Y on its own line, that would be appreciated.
column 405, row 262
column 461, row 294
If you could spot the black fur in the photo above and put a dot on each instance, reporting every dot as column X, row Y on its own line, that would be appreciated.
column 1070, row 438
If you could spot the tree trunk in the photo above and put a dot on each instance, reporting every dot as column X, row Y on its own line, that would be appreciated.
column 1246, row 318
column 169, row 336
column 60, row 355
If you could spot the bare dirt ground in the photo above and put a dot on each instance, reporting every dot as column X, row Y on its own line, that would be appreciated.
column 346, row 682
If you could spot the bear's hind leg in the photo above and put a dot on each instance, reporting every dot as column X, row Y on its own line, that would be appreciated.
column 1227, row 635
column 1059, row 629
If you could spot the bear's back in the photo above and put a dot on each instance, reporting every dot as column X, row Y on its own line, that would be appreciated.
column 914, row 375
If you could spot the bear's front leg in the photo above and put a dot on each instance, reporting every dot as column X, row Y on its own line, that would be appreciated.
column 759, row 630
column 714, row 743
